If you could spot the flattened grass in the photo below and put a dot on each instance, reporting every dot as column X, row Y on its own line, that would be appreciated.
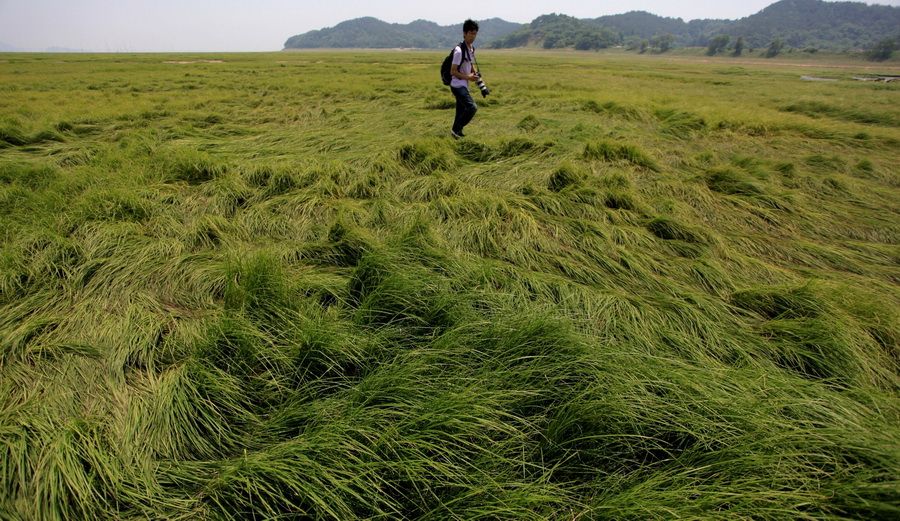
column 273, row 287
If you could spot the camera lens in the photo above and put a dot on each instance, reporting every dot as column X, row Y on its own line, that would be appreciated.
column 484, row 89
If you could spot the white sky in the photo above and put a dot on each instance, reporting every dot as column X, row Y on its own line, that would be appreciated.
column 264, row 25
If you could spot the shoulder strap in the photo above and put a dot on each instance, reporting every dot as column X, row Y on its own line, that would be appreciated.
column 465, row 52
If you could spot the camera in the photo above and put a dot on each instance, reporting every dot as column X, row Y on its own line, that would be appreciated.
column 481, row 86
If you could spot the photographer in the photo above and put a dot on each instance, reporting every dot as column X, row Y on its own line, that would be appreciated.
column 463, row 72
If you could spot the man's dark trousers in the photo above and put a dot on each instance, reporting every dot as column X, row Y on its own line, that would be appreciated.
column 465, row 108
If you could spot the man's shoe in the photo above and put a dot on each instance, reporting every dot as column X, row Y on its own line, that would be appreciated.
column 455, row 134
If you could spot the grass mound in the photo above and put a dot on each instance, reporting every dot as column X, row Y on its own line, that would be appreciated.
column 425, row 156
column 730, row 182
column 190, row 166
column 529, row 123
column 621, row 201
column 615, row 109
column 30, row 176
column 475, row 151
column 671, row 230
column 777, row 303
column 680, row 123
column 817, row 109
column 606, row 151
column 563, row 177
column 11, row 135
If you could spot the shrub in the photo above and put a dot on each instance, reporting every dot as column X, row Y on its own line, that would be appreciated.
column 718, row 45
column 882, row 50
column 738, row 46
column 774, row 48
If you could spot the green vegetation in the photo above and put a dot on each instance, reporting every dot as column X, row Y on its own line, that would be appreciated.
column 372, row 33
column 883, row 49
column 739, row 47
column 798, row 24
column 718, row 45
column 819, row 24
column 254, row 286
column 558, row 31
column 775, row 48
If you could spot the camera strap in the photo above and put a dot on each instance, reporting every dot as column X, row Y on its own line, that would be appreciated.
column 467, row 56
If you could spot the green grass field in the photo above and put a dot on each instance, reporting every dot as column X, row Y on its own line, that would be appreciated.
column 259, row 286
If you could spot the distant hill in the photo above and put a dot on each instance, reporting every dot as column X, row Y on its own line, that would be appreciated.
column 644, row 25
column 560, row 31
column 799, row 23
column 814, row 23
column 375, row 34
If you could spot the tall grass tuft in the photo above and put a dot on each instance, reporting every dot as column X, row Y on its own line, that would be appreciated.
column 257, row 285
column 529, row 123
column 730, row 182
column 615, row 109
column 817, row 109
column 680, row 123
column 669, row 230
column 425, row 156
column 475, row 151
column 31, row 176
column 190, row 166
column 563, row 177
column 611, row 152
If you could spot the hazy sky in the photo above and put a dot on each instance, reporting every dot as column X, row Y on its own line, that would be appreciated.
column 264, row 25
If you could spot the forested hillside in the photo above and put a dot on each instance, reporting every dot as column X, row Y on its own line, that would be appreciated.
column 837, row 26
column 814, row 23
column 375, row 34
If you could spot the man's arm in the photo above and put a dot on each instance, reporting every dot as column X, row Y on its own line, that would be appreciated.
column 455, row 72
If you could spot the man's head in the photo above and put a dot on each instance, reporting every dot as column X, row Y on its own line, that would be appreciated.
column 470, row 31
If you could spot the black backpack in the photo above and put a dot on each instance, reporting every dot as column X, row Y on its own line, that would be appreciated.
column 446, row 77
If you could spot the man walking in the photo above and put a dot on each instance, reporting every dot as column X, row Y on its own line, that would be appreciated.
column 462, row 73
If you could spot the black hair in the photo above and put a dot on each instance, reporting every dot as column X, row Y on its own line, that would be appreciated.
column 470, row 25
